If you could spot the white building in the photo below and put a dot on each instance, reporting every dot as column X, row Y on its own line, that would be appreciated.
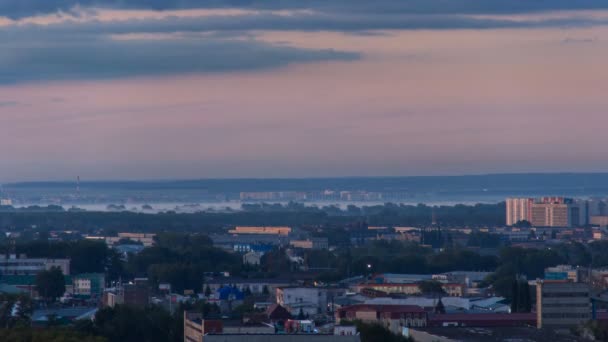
column 252, row 258
column 308, row 300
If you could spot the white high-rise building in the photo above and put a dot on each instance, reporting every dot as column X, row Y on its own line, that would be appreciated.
column 519, row 209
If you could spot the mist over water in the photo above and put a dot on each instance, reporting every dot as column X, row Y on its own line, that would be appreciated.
column 231, row 194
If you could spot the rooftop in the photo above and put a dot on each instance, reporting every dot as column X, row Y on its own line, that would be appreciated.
column 383, row 308
column 500, row 334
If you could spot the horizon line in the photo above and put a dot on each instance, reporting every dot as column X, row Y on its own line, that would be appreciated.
column 160, row 180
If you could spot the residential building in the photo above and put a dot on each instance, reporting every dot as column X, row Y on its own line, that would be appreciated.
column 275, row 313
column 256, row 286
column 397, row 278
column 88, row 284
column 552, row 214
column 519, row 209
column 136, row 293
column 601, row 221
column 146, row 239
column 22, row 265
column 252, row 258
column 562, row 303
column 197, row 329
column 468, row 278
column 393, row 317
column 307, row 300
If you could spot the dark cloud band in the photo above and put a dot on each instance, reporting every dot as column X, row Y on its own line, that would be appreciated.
column 63, row 59
column 25, row 8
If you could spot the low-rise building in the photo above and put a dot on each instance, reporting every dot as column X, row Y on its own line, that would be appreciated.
column 197, row 329
column 256, row 286
column 562, row 272
column 601, row 221
column 451, row 289
column 135, row 293
column 146, row 239
column 562, row 303
column 393, row 317
column 307, row 300
column 88, row 284
column 312, row 243
column 22, row 265
column 252, row 258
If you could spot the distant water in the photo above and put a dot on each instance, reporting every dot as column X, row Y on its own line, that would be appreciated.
column 220, row 194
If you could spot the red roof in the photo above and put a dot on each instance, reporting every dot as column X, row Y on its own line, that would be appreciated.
column 277, row 312
column 213, row 326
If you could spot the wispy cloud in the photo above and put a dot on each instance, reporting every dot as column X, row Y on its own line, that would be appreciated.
column 8, row 103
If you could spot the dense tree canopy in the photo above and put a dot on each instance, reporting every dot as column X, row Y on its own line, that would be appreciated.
column 50, row 284
column 46, row 335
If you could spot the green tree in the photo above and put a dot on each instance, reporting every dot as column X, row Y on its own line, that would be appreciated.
column 129, row 324
column 377, row 333
column 50, row 283
column 430, row 287
column 27, row 334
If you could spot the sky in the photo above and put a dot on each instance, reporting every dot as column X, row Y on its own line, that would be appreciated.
column 165, row 89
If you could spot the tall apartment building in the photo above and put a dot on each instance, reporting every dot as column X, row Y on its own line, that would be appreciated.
column 551, row 215
column 562, row 303
column 519, row 209
column 547, row 211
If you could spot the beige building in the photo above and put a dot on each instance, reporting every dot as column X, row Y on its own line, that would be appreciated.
column 550, row 215
column 313, row 243
column 197, row 329
column 519, row 209
column 601, row 221
column 562, row 304
column 144, row 238
column 261, row 230
column 393, row 317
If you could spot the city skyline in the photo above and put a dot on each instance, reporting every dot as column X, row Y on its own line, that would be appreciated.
column 300, row 90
